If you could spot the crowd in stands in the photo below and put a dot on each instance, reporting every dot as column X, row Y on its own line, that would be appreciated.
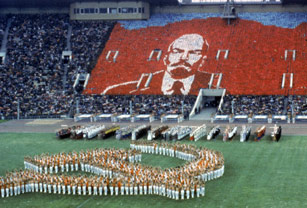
column 298, row 104
column 33, row 75
column 34, row 71
column 89, row 38
column 253, row 105
column 141, row 104
column 3, row 22
column 87, row 41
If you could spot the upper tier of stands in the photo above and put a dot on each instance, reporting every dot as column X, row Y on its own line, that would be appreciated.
column 284, row 19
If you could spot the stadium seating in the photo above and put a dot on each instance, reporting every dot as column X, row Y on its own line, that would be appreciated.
column 141, row 104
column 87, row 40
column 255, row 65
column 299, row 104
column 279, row 19
column 3, row 22
column 258, row 105
column 34, row 71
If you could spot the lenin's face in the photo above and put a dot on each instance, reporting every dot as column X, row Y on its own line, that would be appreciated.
column 185, row 55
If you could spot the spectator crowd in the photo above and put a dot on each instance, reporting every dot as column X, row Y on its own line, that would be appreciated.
column 3, row 22
column 36, row 78
column 140, row 104
column 297, row 105
column 34, row 70
column 255, row 105
column 87, row 41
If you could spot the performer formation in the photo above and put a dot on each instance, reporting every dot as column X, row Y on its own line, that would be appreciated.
column 118, row 172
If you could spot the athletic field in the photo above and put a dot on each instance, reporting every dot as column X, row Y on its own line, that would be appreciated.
column 257, row 174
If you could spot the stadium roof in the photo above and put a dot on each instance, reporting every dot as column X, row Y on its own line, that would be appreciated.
column 66, row 3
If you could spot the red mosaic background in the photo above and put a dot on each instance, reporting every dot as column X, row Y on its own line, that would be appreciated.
column 255, row 64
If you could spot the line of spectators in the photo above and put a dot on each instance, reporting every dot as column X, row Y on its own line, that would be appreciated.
column 141, row 104
column 298, row 104
column 255, row 105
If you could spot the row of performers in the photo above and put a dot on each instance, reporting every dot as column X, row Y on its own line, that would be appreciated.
column 245, row 133
column 11, row 185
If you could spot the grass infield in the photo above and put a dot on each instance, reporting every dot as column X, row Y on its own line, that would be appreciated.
column 257, row 174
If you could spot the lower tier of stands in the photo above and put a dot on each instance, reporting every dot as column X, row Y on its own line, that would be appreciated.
column 152, row 107
column 56, row 105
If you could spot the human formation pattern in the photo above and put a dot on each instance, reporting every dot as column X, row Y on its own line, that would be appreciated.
column 117, row 172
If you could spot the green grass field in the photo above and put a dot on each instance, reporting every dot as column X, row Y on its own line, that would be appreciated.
column 257, row 174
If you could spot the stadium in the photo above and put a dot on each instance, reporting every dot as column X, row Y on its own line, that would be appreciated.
column 153, row 103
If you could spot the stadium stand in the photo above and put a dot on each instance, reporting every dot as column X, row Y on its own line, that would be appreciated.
column 252, row 72
column 258, row 105
column 33, row 75
column 279, row 19
column 298, row 104
column 141, row 104
column 3, row 22
column 88, row 39
column 34, row 72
